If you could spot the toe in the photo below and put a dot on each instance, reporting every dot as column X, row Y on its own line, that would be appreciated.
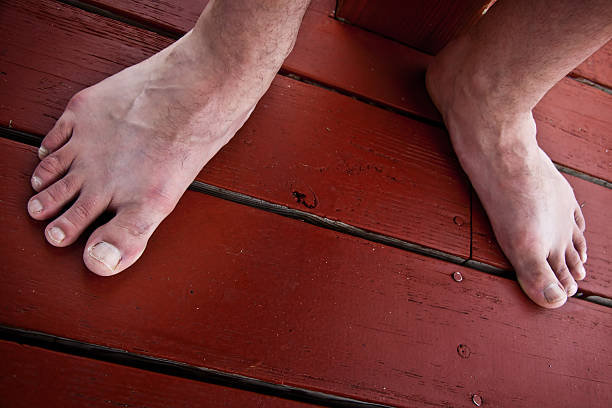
column 540, row 283
column 580, row 245
column 51, row 168
column 57, row 136
column 579, row 219
column 68, row 227
column 561, row 270
column 50, row 201
column 572, row 259
column 118, row 244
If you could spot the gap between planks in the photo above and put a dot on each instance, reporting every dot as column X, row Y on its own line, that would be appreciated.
column 588, row 82
column 340, row 226
column 175, row 368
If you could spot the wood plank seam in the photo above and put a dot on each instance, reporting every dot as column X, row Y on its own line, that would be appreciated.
column 175, row 368
column 583, row 176
column 324, row 222
column 348, row 229
column 38, row 377
column 587, row 81
column 133, row 20
column 329, row 87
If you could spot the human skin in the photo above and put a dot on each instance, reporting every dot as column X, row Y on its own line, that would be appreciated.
column 173, row 112
column 170, row 114
column 485, row 84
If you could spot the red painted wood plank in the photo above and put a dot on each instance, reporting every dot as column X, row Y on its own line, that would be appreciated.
column 365, row 64
column 574, row 122
column 353, row 162
column 34, row 377
column 598, row 67
column 342, row 315
column 596, row 209
column 424, row 25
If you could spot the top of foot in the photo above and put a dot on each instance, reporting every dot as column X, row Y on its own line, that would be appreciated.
column 532, row 208
column 132, row 144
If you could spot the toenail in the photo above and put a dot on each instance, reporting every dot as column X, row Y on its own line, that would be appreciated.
column 554, row 293
column 36, row 182
column 583, row 257
column 106, row 253
column 56, row 234
column 35, row 206
column 42, row 152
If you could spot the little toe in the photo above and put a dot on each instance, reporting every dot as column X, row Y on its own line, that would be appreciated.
column 57, row 136
column 572, row 259
column 118, row 244
column 70, row 225
column 559, row 266
column 579, row 219
column 580, row 245
column 51, row 200
column 51, row 168
column 540, row 283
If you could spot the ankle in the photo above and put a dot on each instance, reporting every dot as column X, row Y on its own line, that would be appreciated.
column 460, row 75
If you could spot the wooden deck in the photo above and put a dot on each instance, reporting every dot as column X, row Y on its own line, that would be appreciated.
column 312, row 261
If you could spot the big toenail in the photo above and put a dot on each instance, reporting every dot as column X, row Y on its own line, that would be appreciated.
column 36, row 182
column 106, row 253
column 554, row 293
column 56, row 235
column 42, row 152
column 35, row 206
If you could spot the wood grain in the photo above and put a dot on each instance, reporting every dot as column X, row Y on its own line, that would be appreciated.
column 272, row 298
column 34, row 377
column 595, row 201
column 304, row 147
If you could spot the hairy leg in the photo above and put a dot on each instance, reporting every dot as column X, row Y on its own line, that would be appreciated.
column 485, row 84
column 133, row 143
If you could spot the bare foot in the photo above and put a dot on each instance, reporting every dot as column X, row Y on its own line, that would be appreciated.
column 133, row 143
column 532, row 208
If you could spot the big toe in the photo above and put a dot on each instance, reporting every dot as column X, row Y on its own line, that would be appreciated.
column 539, row 282
column 116, row 245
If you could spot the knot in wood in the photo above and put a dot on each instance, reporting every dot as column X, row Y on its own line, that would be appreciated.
column 463, row 351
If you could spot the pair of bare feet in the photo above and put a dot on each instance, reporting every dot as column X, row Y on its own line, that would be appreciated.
column 133, row 143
